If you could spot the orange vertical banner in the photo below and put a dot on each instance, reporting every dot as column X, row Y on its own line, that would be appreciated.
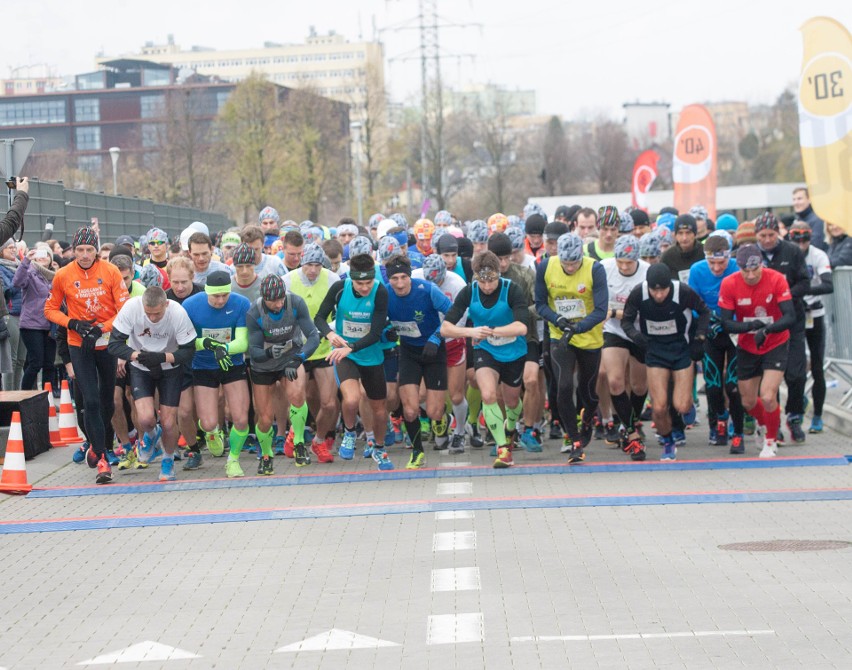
column 644, row 175
column 694, row 161
column 825, row 119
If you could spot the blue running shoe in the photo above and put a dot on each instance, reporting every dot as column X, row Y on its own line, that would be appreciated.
column 79, row 454
column 380, row 456
column 167, row 470
column 251, row 445
column 309, row 435
column 369, row 448
column 493, row 452
column 816, row 426
column 689, row 417
column 669, row 450
column 278, row 445
column 529, row 443
column 112, row 459
column 146, row 451
column 346, row 451
column 679, row 438
column 390, row 435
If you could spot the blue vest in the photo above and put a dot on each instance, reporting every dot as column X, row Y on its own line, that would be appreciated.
column 504, row 349
column 458, row 269
column 354, row 318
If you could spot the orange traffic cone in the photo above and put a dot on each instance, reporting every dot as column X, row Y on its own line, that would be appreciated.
column 14, row 479
column 53, row 427
column 50, row 399
column 68, row 432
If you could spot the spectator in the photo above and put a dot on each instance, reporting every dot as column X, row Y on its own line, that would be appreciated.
column 804, row 212
column 840, row 247
column 12, row 303
column 34, row 278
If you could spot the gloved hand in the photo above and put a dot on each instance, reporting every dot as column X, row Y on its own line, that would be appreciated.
column 760, row 338
column 81, row 327
column 211, row 345
column 90, row 339
column 715, row 329
column 291, row 369
column 151, row 359
column 389, row 334
column 278, row 350
column 640, row 341
column 757, row 324
column 568, row 329
column 430, row 351
column 222, row 358
column 696, row 349
column 563, row 324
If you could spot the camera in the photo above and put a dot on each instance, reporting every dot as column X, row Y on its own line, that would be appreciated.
column 12, row 182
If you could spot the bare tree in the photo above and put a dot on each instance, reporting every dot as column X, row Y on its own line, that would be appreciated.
column 556, row 170
column 604, row 156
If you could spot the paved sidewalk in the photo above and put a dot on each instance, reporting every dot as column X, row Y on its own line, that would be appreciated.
column 541, row 566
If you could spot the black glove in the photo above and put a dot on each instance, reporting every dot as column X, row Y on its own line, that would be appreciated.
column 291, row 369
column 90, row 339
column 640, row 341
column 568, row 329
column 563, row 324
column 430, row 351
column 757, row 324
column 696, row 349
column 151, row 359
column 222, row 358
column 390, row 334
column 211, row 345
column 760, row 338
column 715, row 329
column 82, row 328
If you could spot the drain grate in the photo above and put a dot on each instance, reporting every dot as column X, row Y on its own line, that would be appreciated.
column 787, row 545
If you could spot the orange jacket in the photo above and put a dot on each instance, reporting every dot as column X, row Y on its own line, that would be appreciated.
column 94, row 294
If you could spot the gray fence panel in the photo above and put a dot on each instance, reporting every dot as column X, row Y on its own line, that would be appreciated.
column 838, row 308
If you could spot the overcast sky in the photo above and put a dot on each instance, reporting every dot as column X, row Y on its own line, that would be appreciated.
column 581, row 58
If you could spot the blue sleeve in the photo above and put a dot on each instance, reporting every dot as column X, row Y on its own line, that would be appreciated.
column 600, row 293
column 441, row 303
column 541, row 305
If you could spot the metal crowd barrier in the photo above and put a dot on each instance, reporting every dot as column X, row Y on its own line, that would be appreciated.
column 838, row 337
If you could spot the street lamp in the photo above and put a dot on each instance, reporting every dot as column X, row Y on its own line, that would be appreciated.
column 113, row 153
column 356, row 126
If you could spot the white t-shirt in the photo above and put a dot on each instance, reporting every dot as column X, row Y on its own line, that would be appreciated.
column 619, row 289
column 174, row 329
column 270, row 265
column 818, row 264
column 200, row 278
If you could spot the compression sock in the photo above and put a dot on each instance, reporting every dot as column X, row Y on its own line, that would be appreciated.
column 460, row 412
column 264, row 439
column 413, row 430
column 758, row 412
column 514, row 413
column 474, row 404
column 298, row 417
column 773, row 422
column 237, row 439
column 637, row 401
column 494, row 421
column 624, row 409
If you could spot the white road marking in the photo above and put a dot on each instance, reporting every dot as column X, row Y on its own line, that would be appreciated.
column 456, row 579
column 455, row 628
column 454, row 541
column 640, row 636
column 143, row 651
column 455, row 488
column 454, row 464
column 336, row 639
column 452, row 514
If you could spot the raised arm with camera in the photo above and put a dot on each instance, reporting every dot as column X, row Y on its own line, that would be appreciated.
column 14, row 218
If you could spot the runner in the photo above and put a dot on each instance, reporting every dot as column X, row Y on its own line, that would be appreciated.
column 219, row 317
column 93, row 292
column 760, row 300
column 201, row 254
column 686, row 251
column 157, row 338
column 608, row 224
column 265, row 264
column 499, row 313
column 664, row 311
column 281, row 337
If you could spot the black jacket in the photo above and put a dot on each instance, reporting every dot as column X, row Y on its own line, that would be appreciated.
column 14, row 217
column 789, row 260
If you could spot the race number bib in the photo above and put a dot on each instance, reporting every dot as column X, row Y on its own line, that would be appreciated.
column 809, row 321
column 499, row 341
column 570, row 308
column 407, row 328
column 659, row 328
column 220, row 335
column 768, row 320
column 355, row 329
column 615, row 304
column 683, row 276
column 103, row 340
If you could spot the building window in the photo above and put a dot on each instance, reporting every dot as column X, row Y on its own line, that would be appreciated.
column 88, row 138
column 152, row 106
column 156, row 77
column 150, row 135
column 32, row 113
column 87, row 109
column 92, row 80
column 91, row 164
column 221, row 99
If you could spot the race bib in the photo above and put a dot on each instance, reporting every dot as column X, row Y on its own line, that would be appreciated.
column 614, row 304
column 766, row 319
column 683, row 276
column 103, row 340
column 570, row 308
column 809, row 321
column 499, row 341
column 661, row 327
column 221, row 335
column 407, row 328
column 355, row 329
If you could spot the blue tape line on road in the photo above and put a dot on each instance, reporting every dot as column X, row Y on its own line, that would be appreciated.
column 94, row 523
column 439, row 473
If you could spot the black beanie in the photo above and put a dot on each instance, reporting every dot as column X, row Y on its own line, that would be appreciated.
column 534, row 225
column 500, row 245
column 686, row 222
column 465, row 248
column 554, row 230
column 640, row 218
column 659, row 276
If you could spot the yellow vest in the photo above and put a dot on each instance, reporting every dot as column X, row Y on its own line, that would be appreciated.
column 572, row 296
column 313, row 297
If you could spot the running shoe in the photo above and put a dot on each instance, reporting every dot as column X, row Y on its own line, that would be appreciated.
column 380, row 456
column 748, row 425
column 368, row 447
column 111, row 457
column 251, row 444
column 690, row 418
column 79, row 454
column 215, row 442
column 178, row 455
column 721, row 433
column 289, row 444
column 737, row 445
column 390, row 435
column 278, row 445
column 576, row 454
column 425, row 428
column 104, row 475
column 612, row 434
column 600, row 429
column 233, row 469
column 472, row 431
column 264, row 466
column 529, row 443
column 679, row 438
column 129, row 461
column 816, row 425
column 567, row 444
column 669, row 449
column 346, row 450
column 91, row 457
column 193, row 460
column 417, row 460
column 555, row 431
column 504, row 458
column 301, row 455
column 770, row 448
column 585, row 428
column 457, row 444
column 322, row 450
column 146, row 452
column 396, row 422
column 794, row 424
column 636, row 449
column 167, row 470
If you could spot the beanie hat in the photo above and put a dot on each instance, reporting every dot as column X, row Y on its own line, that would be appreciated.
column 766, row 221
column 570, row 248
column 447, row 244
column 554, row 230
column 649, row 246
column 535, row 224
column 659, row 276
column 640, row 218
column 500, row 244
column 360, row 245
column 434, row 269
column 272, row 287
column 389, row 246
column 608, row 217
column 244, row 255
column 686, row 222
column 465, row 248
column 517, row 237
column 268, row 213
column 627, row 248
column 86, row 235
column 749, row 256
column 745, row 234
column 312, row 253
column 727, row 222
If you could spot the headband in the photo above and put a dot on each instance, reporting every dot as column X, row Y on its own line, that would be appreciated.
column 360, row 275
column 217, row 290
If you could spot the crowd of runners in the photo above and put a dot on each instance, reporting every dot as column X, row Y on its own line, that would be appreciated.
column 303, row 343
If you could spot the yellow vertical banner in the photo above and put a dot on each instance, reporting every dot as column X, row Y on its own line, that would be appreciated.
column 694, row 160
column 825, row 119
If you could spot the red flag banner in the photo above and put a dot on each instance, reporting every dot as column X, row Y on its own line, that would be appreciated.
column 644, row 174
column 694, row 161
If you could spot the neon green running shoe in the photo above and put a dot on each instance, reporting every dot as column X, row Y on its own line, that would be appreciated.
column 439, row 428
column 215, row 442
column 129, row 461
column 233, row 469
column 417, row 461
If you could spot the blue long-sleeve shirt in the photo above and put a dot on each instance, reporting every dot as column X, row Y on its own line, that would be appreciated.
column 417, row 316
column 706, row 284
